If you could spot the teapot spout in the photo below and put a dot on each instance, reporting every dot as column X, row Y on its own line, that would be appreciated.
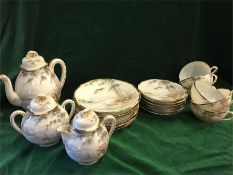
column 65, row 132
column 12, row 97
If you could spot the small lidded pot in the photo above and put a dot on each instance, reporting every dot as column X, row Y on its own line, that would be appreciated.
column 86, row 140
column 39, row 124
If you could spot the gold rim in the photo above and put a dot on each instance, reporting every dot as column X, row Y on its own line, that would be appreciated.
column 165, row 102
column 145, row 101
column 194, row 62
column 226, row 98
column 210, row 112
column 130, row 108
column 128, row 121
column 164, row 114
column 160, row 101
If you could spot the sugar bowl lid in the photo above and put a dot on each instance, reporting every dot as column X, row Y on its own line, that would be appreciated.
column 85, row 121
column 32, row 61
column 42, row 104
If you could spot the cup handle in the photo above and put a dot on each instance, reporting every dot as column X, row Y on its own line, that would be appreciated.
column 12, row 119
column 68, row 101
column 215, row 78
column 55, row 61
column 213, row 69
column 231, row 118
column 113, row 123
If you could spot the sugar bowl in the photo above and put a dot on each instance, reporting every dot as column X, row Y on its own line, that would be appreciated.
column 39, row 124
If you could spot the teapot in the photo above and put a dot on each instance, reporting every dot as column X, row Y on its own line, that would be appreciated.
column 86, row 140
column 39, row 124
column 36, row 76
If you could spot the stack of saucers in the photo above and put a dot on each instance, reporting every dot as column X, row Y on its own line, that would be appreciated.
column 210, row 104
column 162, row 97
column 109, row 97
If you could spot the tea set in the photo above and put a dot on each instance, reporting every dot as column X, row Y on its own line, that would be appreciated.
column 102, row 105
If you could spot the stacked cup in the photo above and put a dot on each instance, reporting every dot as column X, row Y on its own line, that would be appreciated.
column 197, row 70
column 210, row 104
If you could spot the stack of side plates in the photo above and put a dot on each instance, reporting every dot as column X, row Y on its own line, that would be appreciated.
column 162, row 97
column 109, row 97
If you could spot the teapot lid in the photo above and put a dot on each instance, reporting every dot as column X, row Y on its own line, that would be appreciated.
column 32, row 61
column 42, row 104
column 85, row 121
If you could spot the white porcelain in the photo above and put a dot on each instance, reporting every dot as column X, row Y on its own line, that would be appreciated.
column 196, row 69
column 227, row 94
column 121, row 118
column 160, row 112
column 87, row 139
column 162, row 107
column 209, row 78
column 147, row 101
column 124, row 123
column 39, row 125
column 210, row 116
column 36, row 76
column 107, row 96
column 207, row 91
column 162, row 90
column 218, row 106
column 125, row 117
column 196, row 97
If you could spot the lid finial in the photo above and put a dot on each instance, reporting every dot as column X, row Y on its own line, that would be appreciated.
column 32, row 54
column 42, row 104
column 85, row 121
column 32, row 61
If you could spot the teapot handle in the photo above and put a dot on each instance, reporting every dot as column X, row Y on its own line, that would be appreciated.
column 68, row 101
column 55, row 61
column 12, row 119
column 113, row 123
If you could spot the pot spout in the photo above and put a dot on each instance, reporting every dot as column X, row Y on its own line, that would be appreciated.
column 65, row 132
column 12, row 97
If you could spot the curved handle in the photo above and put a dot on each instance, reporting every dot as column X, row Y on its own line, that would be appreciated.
column 213, row 69
column 12, row 120
column 68, row 101
column 231, row 118
column 215, row 78
column 55, row 61
column 113, row 123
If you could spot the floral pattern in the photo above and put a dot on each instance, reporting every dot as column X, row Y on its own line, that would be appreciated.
column 106, row 95
column 87, row 147
column 39, row 81
column 42, row 130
